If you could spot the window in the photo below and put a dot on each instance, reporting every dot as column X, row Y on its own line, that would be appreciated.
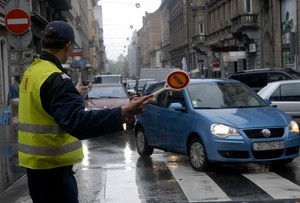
column 248, row 6
column 278, row 76
column 201, row 28
column 286, row 92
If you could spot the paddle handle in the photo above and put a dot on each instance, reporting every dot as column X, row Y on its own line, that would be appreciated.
column 159, row 91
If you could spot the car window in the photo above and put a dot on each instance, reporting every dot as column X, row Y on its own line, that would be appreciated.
column 106, row 92
column 154, row 87
column 254, row 80
column 206, row 96
column 172, row 96
column 279, row 76
column 223, row 95
column 286, row 92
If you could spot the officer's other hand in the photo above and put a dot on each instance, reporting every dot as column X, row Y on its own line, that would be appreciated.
column 81, row 88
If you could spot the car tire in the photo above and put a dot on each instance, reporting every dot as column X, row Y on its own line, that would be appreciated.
column 142, row 146
column 197, row 155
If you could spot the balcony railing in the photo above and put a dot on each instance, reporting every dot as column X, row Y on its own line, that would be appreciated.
column 244, row 21
column 199, row 39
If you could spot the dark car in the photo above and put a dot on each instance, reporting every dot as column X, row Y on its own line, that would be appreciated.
column 258, row 78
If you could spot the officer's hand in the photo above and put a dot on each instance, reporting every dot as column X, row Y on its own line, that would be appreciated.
column 81, row 88
column 136, row 105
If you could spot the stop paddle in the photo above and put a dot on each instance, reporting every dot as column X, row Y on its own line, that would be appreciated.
column 176, row 80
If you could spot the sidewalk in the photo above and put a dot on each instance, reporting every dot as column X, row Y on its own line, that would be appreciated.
column 11, row 173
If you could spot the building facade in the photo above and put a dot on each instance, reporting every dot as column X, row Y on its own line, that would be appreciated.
column 17, row 51
column 220, row 37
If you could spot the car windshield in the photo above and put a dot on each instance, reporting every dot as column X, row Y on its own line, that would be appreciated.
column 106, row 92
column 223, row 95
column 142, row 82
column 130, row 85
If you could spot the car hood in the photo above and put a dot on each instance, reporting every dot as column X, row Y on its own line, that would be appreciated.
column 246, row 117
column 105, row 103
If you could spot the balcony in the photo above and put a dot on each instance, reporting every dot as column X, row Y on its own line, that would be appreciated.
column 61, row 5
column 244, row 22
column 198, row 39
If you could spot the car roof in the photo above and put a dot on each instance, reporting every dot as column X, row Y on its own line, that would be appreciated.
column 202, row 80
column 287, row 70
column 284, row 82
column 106, row 85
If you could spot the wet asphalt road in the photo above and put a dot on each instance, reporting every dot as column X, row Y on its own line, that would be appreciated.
column 113, row 172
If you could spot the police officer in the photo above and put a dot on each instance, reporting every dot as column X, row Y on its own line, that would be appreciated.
column 52, row 120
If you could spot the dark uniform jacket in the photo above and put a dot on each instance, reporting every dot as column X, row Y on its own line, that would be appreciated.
column 63, row 102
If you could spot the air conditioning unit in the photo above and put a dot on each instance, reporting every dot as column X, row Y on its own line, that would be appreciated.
column 252, row 47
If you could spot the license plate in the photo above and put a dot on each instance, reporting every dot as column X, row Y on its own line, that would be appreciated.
column 261, row 146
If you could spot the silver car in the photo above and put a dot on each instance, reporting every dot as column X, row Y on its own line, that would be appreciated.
column 285, row 95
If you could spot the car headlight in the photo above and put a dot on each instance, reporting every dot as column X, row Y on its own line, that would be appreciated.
column 293, row 127
column 223, row 131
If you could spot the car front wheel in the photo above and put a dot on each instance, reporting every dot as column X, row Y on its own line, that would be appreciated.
column 142, row 146
column 197, row 155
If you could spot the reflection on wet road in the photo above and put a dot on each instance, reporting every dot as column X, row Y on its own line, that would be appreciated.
column 112, row 171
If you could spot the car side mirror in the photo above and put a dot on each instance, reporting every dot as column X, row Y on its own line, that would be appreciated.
column 176, row 106
column 269, row 102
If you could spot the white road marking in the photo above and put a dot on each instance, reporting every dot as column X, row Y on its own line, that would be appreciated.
column 275, row 185
column 121, row 187
column 197, row 186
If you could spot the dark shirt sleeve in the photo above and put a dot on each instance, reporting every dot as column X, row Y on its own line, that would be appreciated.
column 62, row 101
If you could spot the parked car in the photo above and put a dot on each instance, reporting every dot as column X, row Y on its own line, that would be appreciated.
column 258, row 78
column 108, row 79
column 130, row 84
column 140, row 84
column 215, row 120
column 147, row 85
column 285, row 95
column 105, row 95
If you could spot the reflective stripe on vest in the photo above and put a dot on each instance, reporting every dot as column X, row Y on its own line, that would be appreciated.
column 40, row 129
column 49, row 151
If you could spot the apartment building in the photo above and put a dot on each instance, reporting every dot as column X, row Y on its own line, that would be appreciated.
column 18, row 50
column 220, row 37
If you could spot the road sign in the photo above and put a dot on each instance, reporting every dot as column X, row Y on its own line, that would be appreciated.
column 17, row 21
column 24, row 41
column 177, row 80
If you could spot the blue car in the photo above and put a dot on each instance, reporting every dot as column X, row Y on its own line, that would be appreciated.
column 216, row 120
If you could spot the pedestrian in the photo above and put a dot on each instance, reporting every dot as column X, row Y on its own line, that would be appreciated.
column 13, row 90
column 13, row 100
column 53, row 120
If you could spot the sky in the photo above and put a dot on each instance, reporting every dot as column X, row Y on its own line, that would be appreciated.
column 118, row 17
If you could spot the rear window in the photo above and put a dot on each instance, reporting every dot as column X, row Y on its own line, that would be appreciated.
column 253, row 80
column 277, row 76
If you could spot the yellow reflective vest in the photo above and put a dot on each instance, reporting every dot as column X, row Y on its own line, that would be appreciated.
column 42, row 143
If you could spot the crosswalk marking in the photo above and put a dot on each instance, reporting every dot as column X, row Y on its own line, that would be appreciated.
column 275, row 185
column 197, row 186
column 121, row 186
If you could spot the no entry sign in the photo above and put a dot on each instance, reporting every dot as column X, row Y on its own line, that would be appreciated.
column 17, row 21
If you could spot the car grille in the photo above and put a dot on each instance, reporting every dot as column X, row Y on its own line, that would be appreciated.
column 256, row 133
column 268, row 154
